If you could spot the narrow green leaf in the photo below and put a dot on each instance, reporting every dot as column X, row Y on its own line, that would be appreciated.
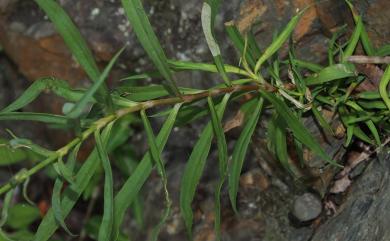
column 370, row 124
column 72, row 193
column 253, row 47
column 298, row 129
column 367, row 45
column 142, row 28
column 5, row 207
column 156, row 155
column 9, row 155
column 372, row 104
column 78, row 109
column 223, row 162
column 25, row 194
column 108, row 211
column 383, row 51
column 56, row 196
column 321, row 121
column 74, row 41
column 332, row 43
column 187, row 65
column 56, row 206
column 281, row 145
column 63, row 170
column 278, row 42
column 143, row 93
column 39, row 117
column 133, row 184
column 240, row 150
column 307, row 65
column 353, row 40
column 178, row 66
column 239, row 43
column 28, row 144
column 383, row 86
column 359, row 133
column 194, row 168
column 352, row 130
column 59, row 87
column 209, row 12
column 21, row 216
column 331, row 73
column 216, row 122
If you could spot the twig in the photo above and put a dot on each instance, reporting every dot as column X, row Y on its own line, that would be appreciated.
column 362, row 59
column 99, row 124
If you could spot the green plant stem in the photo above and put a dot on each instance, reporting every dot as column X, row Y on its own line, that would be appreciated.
column 97, row 125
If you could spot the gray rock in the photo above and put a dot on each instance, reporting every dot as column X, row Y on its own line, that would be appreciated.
column 307, row 207
column 366, row 212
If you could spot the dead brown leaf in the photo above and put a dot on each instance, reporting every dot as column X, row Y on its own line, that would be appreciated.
column 341, row 185
column 236, row 121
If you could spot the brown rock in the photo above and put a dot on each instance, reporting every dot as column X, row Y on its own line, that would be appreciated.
column 307, row 20
column 254, row 179
column 47, row 56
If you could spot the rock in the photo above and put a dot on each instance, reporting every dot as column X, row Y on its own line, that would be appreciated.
column 307, row 207
column 366, row 212
column 254, row 180
column 376, row 19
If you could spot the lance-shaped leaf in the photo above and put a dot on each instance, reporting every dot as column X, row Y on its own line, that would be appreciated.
column 383, row 51
column 72, row 193
column 306, row 65
column 142, row 28
column 370, row 124
column 59, row 87
column 149, row 92
column 133, row 184
column 281, row 145
column 354, row 39
column 297, row 128
column 56, row 196
column 77, row 110
column 383, row 86
column 9, row 155
column 279, row 41
column 187, row 65
column 194, row 168
column 5, row 207
column 39, row 117
column 252, row 52
column 332, row 43
column 108, row 211
column 352, row 130
column 209, row 12
column 223, row 161
column 240, row 150
column 178, row 66
column 322, row 121
column 75, row 42
column 156, row 155
column 63, row 170
column 26, row 143
column 368, row 47
column 331, row 73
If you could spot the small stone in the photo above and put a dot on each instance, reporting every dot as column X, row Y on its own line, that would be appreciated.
column 254, row 179
column 307, row 207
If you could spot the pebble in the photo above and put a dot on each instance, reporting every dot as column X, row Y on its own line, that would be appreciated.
column 307, row 207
